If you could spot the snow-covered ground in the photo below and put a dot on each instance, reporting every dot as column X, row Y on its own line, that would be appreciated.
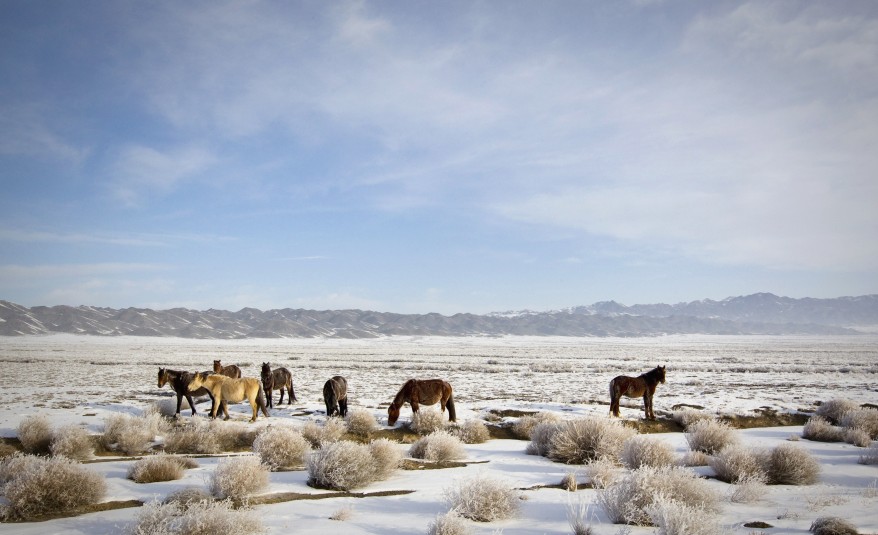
column 82, row 380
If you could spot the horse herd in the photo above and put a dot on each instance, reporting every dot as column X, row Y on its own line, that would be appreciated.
column 224, row 384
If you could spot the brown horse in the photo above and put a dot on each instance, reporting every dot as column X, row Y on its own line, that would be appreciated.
column 335, row 395
column 180, row 383
column 229, row 371
column 634, row 387
column 278, row 379
column 225, row 389
column 426, row 392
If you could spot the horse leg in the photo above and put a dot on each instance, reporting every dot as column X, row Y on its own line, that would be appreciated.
column 191, row 404
column 343, row 407
column 290, row 392
column 647, row 406
column 281, row 400
column 180, row 402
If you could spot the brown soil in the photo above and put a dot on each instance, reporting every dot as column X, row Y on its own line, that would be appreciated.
column 84, row 510
column 294, row 496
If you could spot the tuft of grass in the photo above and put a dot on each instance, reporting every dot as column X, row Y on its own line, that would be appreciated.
column 748, row 489
column 332, row 430
column 834, row 409
column 281, row 447
column 710, row 436
column 569, row 482
column 361, row 423
column 640, row 451
column 577, row 517
column 37, row 486
column 870, row 456
column 601, row 472
column 188, row 496
column 449, row 523
column 675, row 518
column 819, row 429
column 428, row 420
column 472, row 432
column 687, row 417
column 132, row 434
column 386, row 457
column 789, row 464
column 196, row 518
column 73, row 442
column 238, row 478
column 158, row 467
column 35, row 434
column 342, row 465
column 832, row 525
column 438, row 446
column 483, row 499
column 342, row 515
column 523, row 427
column 582, row 440
column 865, row 420
column 736, row 462
column 857, row 437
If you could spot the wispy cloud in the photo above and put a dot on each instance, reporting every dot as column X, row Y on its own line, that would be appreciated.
column 141, row 171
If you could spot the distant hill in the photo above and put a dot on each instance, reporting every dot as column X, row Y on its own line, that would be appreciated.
column 753, row 314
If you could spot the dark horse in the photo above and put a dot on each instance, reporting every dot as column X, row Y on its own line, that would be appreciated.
column 335, row 395
column 635, row 387
column 426, row 392
column 180, row 383
column 277, row 379
column 229, row 371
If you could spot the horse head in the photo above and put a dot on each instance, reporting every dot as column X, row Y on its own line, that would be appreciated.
column 163, row 377
column 217, row 366
column 197, row 380
column 661, row 373
column 392, row 414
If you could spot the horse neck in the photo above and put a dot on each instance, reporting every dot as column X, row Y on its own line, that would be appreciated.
column 651, row 377
column 405, row 393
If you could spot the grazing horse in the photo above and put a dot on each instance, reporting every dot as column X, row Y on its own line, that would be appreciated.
column 180, row 383
column 229, row 371
column 335, row 395
column 226, row 389
column 278, row 379
column 426, row 392
column 635, row 387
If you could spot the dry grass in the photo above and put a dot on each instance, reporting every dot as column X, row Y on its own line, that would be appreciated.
column 341, row 465
column 819, row 429
column 159, row 467
column 832, row 525
column 238, row 478
column 428, row 420
column 834, row 409
column 37, row 486
column 675, row 518
column 450, row 523
column 736, row 463
column 687, row 417
column 361, row 423
column 865, row 420
column 386, row 457
column 483, row 499
column 35, row 434
column 438, row 446
column 281, row 447
column 73, row 442
column 196, row 518
column 569, row 482
column 133, row 434
column 332, row 430
column 789, row 464
column 188, row 495
column 748, row 489
column 710, row 436
column 526, row 424
column 342, row 515
column 857, row 437
column 602, row 472
column 472, row 432
column 641, row 450
column 582, row 440
column 578, row 516
column 870, row 456
column 198, row 436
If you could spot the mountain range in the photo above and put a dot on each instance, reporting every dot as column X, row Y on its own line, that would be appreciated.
column 762, row 313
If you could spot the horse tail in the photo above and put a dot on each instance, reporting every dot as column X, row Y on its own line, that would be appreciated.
column 452, row 414
column 291, row 393
column 614, row 396
column 260, row 400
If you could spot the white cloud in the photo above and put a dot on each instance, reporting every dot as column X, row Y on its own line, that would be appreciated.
column 141, row 171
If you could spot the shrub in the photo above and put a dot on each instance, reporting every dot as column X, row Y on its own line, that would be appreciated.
column 640, row 451
column 35, row 434
column 834, row 409
column 132, row 434
column 483, row 499
column 426, row 421
column 628, row 500
column 51, row 485
column 832, row 525
column 857, row 437
column 863, row 419
column 526, row 424
column 818, row 428
column 472, row 432
column 870, row 456
column 196, row 518
column 438, row 446
column 675, row 518
column 601, row 472
column 342, row 515
column 710, row 436
column 196, row 436
column 159, row 467
column 541, row 438
column 748, row 489
column 788, row 464
column 361, row 422
column 569, row 483
column 341, row 465
column 386, row 456
column 73, row 442
column 281, row 447
column 695, row 458
column 238, row 478
column 13, row 464
column 577, row 517
column 582, row 440
column 333, row 430
column 734, row 463
column 6, row 450
column 687, row 417
column 188, row 495
column 450, row 523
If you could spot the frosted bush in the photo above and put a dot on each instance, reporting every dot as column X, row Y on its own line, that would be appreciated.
column 748, row 489
column 737, row 462
column 870, row 456
column 601, row 472
column 11, row 465
column 788, row 464
column 332, row 430
column 585, row 439
column 541, row 438
column 386, row 457
column 569, row 483
column 73, row 442
column 159, row 467
column 196, row 518
column 628, row 500
column 238, row 478
column 197, row 436
column 863, row 419
column 687, row 417
column 819, row 429
column 341, row 465
column 427, row 420
column 675, row 518
column 832, row 525
column 188, row 495
column 524, row 425
column 834, row 409
column 857, row 437
column 640, row 451
column 361, row 422
column 450, row 523
column 472, row 432
column 6, row 450
column 483, row 499
column 695, row 458
column 438, row 446
column 281, row 447
column 132, row 434
column 710, row 436
column 35, row 434
column 577, row 517
column 50, row 485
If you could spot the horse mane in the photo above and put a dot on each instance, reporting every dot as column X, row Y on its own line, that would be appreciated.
column 654, row 375
column 404, row 393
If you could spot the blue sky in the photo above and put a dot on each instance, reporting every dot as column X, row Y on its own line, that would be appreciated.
column 436, row 156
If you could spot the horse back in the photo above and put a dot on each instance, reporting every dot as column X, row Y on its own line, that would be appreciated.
column 431, row 391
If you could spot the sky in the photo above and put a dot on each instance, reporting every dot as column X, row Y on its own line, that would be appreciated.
column 444, row 157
